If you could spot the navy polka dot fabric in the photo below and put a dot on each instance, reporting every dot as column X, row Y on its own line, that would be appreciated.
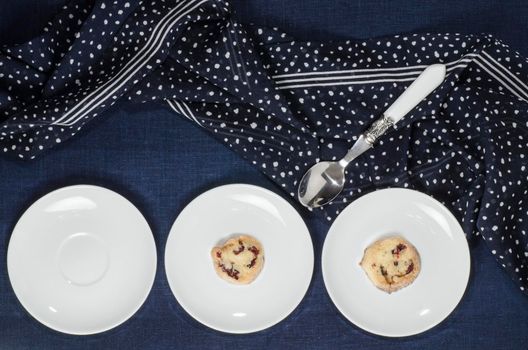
column 284, row 105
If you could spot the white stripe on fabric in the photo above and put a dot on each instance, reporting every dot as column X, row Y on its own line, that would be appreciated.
column 190, row 112
column 368, row 70
column 356, row 80
column 347, row 77
column 498, row 79
column 362, row 75
column 177, row 109
column 352, row 82
column 359, row 70
column 510, row 87
column 513, row 76
column 467, row 60
column 125, row 72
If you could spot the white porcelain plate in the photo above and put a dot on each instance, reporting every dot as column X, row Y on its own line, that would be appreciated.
column 212, row 218
column 82, row 259
column 437, row 236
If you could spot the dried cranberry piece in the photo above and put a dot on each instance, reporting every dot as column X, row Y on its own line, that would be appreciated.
column 252, row 263
column 398, row 249
column 230, row 272
column 219, row 255
column 254, row 250
column 410, row 268
column 239, row 250
column 385, row 274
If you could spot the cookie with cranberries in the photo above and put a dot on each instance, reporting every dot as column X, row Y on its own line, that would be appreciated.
column 239, row 260
column 391, row 263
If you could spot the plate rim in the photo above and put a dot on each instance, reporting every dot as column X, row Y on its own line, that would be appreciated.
column 94, row 330
column 358, row 324
column 252, row 330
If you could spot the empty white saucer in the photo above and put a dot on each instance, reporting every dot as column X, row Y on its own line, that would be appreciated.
column 82, row 259
column 444, row 254
column 222, row 213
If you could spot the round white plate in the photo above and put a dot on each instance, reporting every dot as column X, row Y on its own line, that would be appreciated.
column 212, row 218
column 82, row 259
column 437, row 236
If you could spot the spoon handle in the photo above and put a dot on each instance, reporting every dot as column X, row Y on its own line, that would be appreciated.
column 426, row 82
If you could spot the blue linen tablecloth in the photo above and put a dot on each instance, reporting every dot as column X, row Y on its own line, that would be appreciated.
column 162, row 164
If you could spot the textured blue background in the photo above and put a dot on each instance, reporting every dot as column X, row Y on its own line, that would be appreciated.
column 160, row 162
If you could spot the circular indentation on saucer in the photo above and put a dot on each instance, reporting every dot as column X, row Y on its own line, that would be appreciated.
column 83, row 259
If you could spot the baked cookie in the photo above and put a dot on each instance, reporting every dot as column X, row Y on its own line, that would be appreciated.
column 391, row 263
column 239, row 260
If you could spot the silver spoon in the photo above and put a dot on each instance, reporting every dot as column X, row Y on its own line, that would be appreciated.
column 325, row 180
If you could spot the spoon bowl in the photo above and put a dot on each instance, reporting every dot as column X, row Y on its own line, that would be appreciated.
column 321, row 183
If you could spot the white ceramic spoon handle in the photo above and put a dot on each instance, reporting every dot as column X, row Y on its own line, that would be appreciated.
column 426, row 82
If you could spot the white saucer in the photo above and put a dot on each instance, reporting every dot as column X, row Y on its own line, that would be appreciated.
column 82, row 259
column 217, row 215
column 437, row 236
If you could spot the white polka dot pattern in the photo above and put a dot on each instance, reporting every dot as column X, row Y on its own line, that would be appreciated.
column 283, row 105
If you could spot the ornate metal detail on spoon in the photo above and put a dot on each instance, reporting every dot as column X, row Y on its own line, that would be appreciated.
column 378, row 128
